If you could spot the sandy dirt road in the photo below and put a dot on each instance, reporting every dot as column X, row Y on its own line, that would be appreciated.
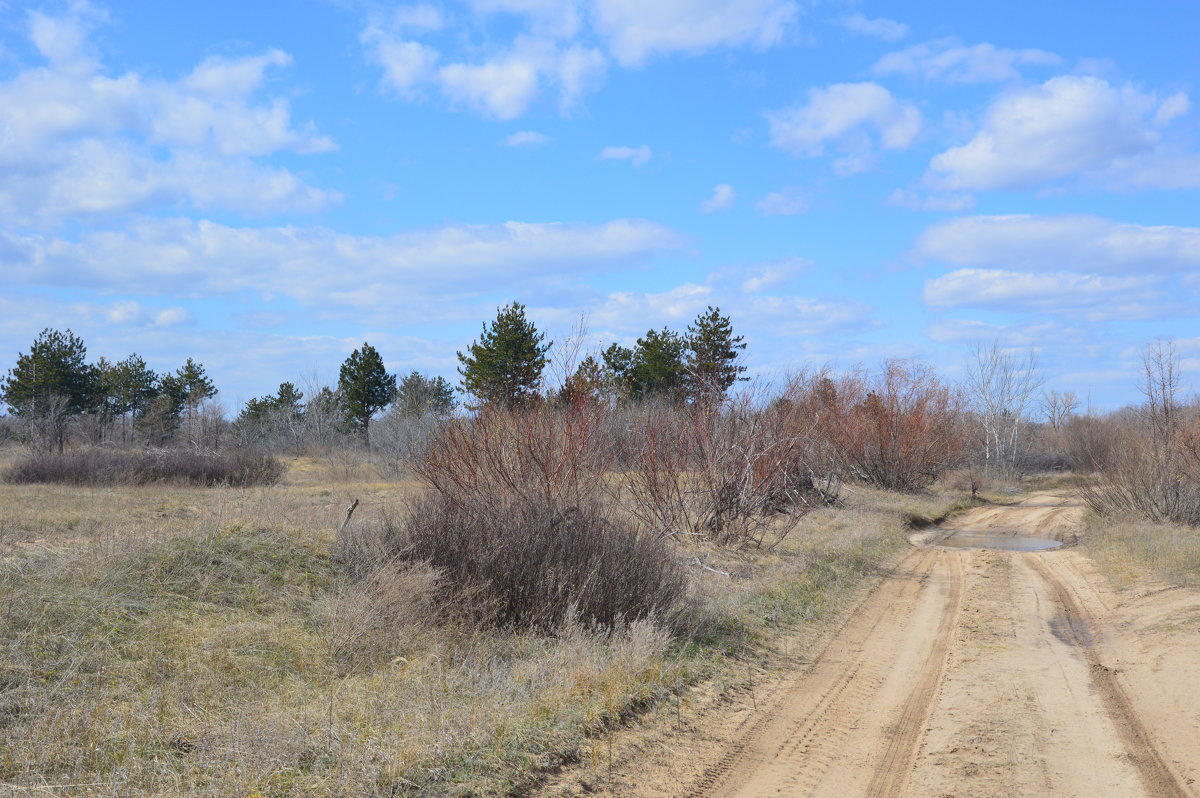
column 970, row 672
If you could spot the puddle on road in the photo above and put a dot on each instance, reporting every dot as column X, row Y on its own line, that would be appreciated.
column 1071, row 630
column 983, row 540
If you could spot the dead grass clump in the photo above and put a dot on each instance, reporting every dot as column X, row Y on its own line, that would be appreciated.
column 536, row 565
column 108, row 467
column 1129, row 549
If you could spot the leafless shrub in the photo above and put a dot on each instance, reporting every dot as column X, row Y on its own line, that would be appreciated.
column 530, row 563
column 1089, row 442
column 237, row 468
column 540, row 454
column 400, row 440
column 733, row 473
column 1152, row 466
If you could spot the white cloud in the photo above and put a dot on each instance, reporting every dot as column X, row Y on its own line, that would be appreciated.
column 565, row 46
column 1036, row 334
column 553, row 18
column 407, row 65
column 882, row 28
column 949, row 61
column 425, row 273
column 77, row 142
column 502, row 88
column 1101, row 297
column 174, row 316
column 580, row 70
column 419, row 18
column 722, row 199
column 635, row 155
column 1065, row 241
column 636, row 30
column 526, row 138
column 774, row 274
column 626, row 315
column 1071, row 126
column 63, row 40
column 787, row 202
column 853, row 117
column 130, row 313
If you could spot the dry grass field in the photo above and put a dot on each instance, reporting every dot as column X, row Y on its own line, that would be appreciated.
column 209, row 641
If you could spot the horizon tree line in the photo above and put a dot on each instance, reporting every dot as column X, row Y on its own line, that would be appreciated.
column 53, row 384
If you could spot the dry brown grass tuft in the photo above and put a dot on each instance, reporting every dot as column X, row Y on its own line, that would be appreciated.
column 1131, row 549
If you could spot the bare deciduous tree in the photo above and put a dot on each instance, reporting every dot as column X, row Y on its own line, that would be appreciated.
column 1059, row 407
column 1002, row 386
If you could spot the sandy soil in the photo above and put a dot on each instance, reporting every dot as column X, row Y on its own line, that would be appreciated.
column 964, row 673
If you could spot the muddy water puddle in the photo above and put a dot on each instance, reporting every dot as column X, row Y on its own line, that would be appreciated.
column 997, row 541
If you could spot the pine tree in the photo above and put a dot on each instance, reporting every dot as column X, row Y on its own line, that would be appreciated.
column 658, row 368
column 194, row 385
column 418, row 395
column 711, row 365
column 653, row 369
column 365, row 387
column 505, row 365
column 618, row 368
column 129, row 388
column 55, row 371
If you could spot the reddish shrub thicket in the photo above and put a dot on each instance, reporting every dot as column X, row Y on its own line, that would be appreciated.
column 899, row 428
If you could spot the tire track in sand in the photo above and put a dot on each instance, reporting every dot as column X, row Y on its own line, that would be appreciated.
column 892, row 772
column 885, row 662
column 1160, row 781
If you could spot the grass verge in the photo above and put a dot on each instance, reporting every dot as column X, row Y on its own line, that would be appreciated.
column 184, row 641
column 1130, row 550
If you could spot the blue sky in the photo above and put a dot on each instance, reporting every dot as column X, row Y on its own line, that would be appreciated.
column 264, row 190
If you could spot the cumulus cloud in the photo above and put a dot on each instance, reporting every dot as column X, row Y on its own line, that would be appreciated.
column 1035, row 334
column 722, row 199
column 854, row 118
column 130, row 313
column 635, row 155
column 636, row 30
column 1099, row 297
column 950, row 61
column 627, row 314
column 424, row 272
column 773, row 274
column 552, row 18
column 552, row 45
column 78, row 142
column 888, row 30
column 501, row 88
column 407, row 65
column 1069, row 127
column 1061, row 241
